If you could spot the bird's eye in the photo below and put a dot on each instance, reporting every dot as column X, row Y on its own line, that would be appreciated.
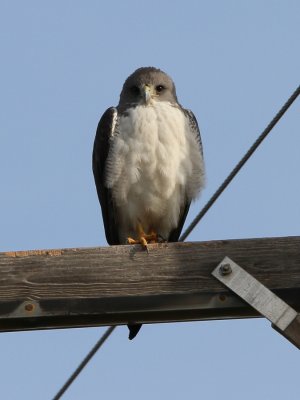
column 135, row 90
column 159, row 88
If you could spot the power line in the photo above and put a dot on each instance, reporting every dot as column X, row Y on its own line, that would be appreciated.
column 189, row 229
column 84, row 362
column 241, row 163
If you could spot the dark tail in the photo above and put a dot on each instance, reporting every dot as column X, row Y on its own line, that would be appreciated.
column 133, row 330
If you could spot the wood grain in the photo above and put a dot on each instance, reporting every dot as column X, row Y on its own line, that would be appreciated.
column 118, row 284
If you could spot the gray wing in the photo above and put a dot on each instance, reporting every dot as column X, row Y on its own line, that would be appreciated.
column 194, row 127
column 175, row 233
column 104, row 132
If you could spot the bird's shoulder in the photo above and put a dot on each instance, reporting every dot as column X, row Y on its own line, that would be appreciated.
column 105, row 130
column 107, row 123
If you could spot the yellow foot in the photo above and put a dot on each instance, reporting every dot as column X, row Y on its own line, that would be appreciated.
column 132, row 241
column 143, row 238
column 141, row 241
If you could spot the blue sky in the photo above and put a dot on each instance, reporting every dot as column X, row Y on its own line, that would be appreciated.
column 62, row 64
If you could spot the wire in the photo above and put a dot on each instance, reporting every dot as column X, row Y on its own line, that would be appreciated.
column 189, row 229
column 241, row 163
column 84, row 363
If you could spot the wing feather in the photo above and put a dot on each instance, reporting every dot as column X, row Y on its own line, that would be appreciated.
column 105, row 131
column 194, row 127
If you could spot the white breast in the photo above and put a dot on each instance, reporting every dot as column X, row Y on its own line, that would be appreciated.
column 154, row 166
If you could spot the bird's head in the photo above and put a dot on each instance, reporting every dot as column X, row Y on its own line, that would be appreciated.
column 146, row 86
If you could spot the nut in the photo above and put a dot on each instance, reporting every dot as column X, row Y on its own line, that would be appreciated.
column 225, row 269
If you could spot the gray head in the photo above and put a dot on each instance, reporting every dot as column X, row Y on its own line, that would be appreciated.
column 147, row 85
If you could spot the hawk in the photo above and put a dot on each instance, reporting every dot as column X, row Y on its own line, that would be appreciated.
column 147, row 163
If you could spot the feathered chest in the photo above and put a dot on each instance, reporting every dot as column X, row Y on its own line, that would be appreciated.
column 154, row 168
column 150, row 154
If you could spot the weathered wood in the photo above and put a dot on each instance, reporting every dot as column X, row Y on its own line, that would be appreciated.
column 120, row 284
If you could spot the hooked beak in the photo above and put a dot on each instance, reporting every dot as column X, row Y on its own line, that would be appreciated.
column 147, row 93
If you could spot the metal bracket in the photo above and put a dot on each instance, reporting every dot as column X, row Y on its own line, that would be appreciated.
column 284, row 318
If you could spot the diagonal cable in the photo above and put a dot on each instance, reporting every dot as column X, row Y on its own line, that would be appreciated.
column 84, row 362
column 241, row 163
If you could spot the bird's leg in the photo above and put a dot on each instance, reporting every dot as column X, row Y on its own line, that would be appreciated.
column 152, row 237
column 143, row 238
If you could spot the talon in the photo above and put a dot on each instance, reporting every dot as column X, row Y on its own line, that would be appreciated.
column 152, row 237
column 143, row 241
column 132, row 241
column 143, row 238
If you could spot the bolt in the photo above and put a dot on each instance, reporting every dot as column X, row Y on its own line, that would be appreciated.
column 225, row 269
column 29, row 307
column 222, row 297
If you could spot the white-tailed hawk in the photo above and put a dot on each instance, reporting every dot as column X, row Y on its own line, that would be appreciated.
column 147, row 162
